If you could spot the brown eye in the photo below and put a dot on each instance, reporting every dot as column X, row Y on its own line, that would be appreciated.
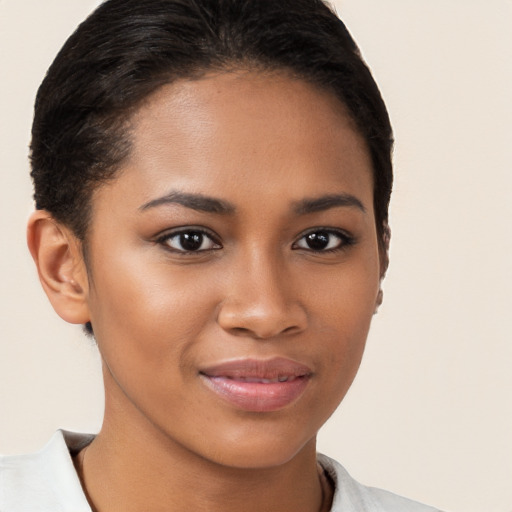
column 323, row 240
column 190, row 241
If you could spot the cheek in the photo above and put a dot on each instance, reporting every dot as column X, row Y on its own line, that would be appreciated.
column 141, row 311
column 148, row 323
column 345, row 296
column 344, row 307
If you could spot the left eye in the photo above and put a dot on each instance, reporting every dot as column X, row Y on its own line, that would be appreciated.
column 190, row 241
column 323, row 240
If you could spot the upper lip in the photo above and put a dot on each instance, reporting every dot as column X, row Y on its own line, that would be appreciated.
column 268, row 369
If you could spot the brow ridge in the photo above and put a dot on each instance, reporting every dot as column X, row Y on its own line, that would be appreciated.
column 194, row 201
column 318, row 204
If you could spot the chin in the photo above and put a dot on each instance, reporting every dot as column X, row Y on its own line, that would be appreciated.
column 256, row 451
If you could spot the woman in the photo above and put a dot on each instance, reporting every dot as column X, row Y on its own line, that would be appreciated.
column 212, row 180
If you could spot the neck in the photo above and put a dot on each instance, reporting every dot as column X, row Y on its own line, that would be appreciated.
column 133, row 466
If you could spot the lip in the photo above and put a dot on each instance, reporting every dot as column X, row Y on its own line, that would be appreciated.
column 257, row 385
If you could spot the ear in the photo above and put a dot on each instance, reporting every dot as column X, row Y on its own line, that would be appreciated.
column 384, row 261
column 58, row 257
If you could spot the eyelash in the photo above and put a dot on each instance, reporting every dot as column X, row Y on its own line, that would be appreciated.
column 344, row 240
column 167, row 237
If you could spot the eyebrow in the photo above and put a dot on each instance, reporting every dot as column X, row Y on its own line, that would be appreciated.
column 322, row 203
column 197, row 202
column 202, row 203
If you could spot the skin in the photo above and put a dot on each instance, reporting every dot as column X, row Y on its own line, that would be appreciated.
column 264, row 144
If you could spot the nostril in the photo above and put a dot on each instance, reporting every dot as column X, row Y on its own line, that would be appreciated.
column 241, row 331
column 258, row 319
column 262, row 334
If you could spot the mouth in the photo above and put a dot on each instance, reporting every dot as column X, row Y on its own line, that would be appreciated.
column 258, row 385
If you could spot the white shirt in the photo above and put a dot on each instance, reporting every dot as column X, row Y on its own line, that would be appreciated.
column 46, row 481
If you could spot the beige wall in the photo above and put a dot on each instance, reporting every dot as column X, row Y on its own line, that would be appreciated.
column 430, row 414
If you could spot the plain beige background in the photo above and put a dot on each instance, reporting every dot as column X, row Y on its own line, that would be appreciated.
column 430, row 414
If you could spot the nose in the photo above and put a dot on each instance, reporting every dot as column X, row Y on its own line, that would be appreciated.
column 262, row 302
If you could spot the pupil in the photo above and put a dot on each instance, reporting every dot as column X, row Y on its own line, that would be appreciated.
column 318, row 241
column 191, row 241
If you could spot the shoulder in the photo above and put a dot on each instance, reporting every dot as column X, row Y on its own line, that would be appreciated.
column 351, row 496
column 45, row 481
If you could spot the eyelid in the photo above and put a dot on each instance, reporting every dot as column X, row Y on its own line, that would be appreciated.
column 346, row 239
column 168, row 234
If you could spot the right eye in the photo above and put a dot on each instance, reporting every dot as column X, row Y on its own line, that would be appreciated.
column 189, row 241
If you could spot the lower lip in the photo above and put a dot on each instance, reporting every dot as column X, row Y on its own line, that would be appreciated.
column 256, row 396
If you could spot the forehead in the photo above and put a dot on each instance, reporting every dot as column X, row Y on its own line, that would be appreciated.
column 227, row 131
column 235, row 103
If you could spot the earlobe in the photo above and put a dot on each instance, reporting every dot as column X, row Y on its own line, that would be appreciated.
column 60, row 265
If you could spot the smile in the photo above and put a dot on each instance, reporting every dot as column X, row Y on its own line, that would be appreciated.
column 258, row 386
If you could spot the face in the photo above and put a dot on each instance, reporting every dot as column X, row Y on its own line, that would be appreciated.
column 234, row 267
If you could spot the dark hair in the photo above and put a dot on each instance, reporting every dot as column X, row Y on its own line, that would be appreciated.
column 126, row 49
